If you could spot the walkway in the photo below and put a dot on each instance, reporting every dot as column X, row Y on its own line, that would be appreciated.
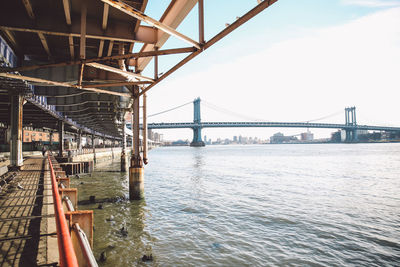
column 24, row 219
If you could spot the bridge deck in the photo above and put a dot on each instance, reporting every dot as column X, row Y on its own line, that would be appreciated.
column 24, row 218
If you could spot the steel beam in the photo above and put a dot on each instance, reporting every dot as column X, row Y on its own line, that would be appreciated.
column 129, row 75
column 67, row 11
column 28, row 7
column 173, row 17
column 43, row 40
column 38, row 80
column 82, row 54
column 116, row 84
column 148, row 54
column 159, row 25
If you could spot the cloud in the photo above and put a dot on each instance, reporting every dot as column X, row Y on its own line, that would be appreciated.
column 372, row 3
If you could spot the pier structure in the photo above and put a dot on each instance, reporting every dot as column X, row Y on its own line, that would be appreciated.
column 74, row 67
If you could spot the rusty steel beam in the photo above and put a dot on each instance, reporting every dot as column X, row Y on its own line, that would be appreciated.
column 105, row 16
column 11, row 37
column 43, row 40
column 116, row 57
column 155, row 23
column 201, row 21
column 82, row 53
column 256, row 10
column 110, row 48
column 80, row 77
column 101, row 48
column 126, row 74
column 173, row 17
column 67, row 11
column 28, row 7
column 89, row 35
column 61, row 84
column 116, row 84
column 71, row 47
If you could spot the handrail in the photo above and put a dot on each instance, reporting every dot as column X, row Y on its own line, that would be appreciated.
column 65, row 248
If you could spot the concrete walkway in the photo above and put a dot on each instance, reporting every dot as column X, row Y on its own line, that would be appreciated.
column 25, row 212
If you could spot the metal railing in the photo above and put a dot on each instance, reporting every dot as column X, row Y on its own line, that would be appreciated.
column 65, row 248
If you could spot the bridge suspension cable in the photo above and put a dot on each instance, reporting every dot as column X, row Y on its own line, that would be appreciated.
column 171, row 109
column 229, row 112
column 325, row 117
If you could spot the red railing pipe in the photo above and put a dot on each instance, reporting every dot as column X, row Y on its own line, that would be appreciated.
column 65, row 247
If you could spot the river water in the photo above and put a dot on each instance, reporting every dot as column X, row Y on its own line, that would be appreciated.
column 253, row 205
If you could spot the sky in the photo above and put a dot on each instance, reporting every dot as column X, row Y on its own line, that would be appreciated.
column 296, row 61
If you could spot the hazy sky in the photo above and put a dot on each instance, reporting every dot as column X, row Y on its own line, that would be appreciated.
column 296, row 61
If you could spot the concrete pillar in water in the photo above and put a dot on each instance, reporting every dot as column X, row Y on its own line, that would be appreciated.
column 123, row 150
column 136, row 183
column 94, row 148
column 16, row 159
column 136, row 171
column 60, row 138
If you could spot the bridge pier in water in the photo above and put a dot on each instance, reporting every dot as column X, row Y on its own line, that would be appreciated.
column 197, row 141
column 351, row 122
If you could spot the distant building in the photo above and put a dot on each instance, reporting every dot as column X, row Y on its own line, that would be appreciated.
column 307, row 136
column 279, row 138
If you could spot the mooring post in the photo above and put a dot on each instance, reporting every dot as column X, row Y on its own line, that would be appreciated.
column 16, row 158
column 136, row 172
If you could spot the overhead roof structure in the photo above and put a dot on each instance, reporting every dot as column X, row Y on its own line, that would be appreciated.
column 78, row 54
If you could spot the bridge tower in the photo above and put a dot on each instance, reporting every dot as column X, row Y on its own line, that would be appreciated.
column 351, row 122
column 197, row 141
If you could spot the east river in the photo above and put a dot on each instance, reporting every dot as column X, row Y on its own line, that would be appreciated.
column 255, row 205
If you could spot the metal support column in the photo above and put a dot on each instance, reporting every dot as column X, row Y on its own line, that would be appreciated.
column 51, row 139
column 60, row 138
column 145, row 159
column 94, row 148
column 136, row 173
column 79, row 147
column 16, row 158
column 201, row 21
column 112, row 148
column 123, row 150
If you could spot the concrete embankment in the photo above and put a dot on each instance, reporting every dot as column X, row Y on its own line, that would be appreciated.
column 102, row 155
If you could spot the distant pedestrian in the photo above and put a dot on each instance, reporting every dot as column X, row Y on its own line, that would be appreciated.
column 44, row 150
